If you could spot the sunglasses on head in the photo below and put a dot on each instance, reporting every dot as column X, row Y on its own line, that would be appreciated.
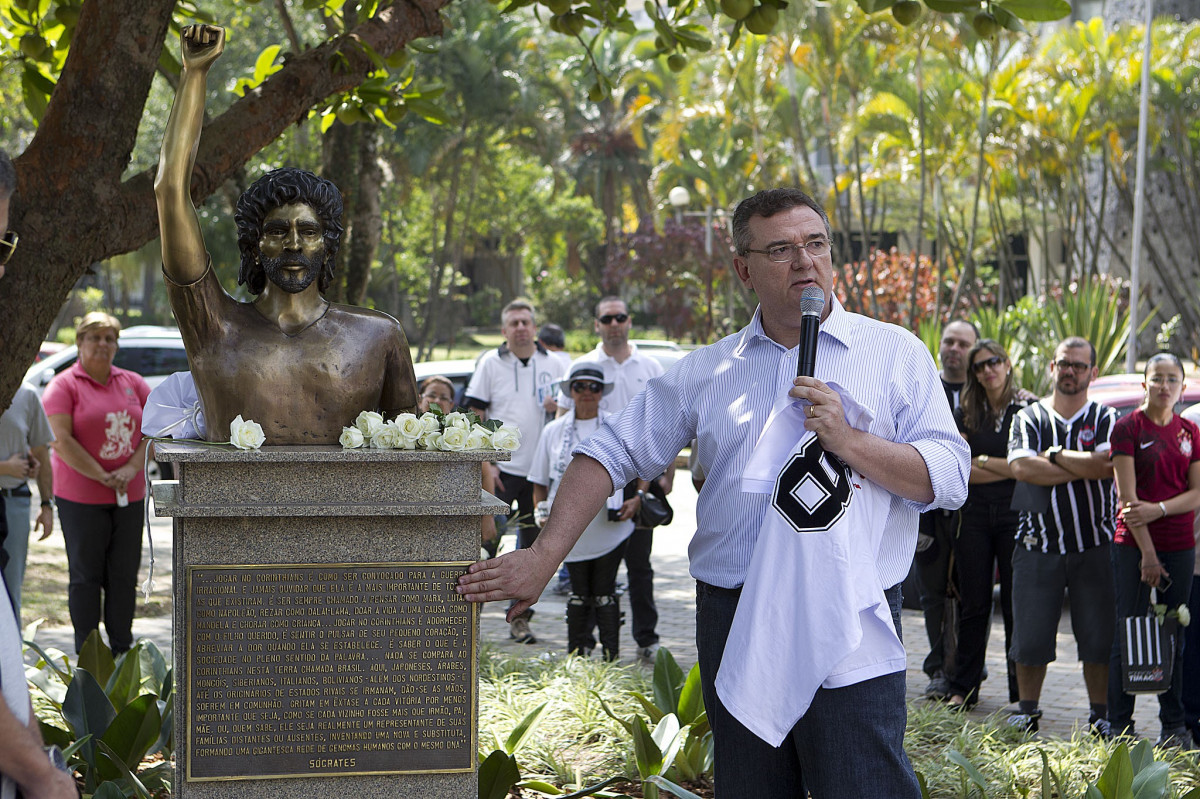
column 609, row 318
column 587, row 385
column 979, row 366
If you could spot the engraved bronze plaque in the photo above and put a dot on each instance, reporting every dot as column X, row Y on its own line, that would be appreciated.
column 346, row 668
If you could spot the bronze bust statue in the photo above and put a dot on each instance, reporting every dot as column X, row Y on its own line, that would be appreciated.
column 299, row 365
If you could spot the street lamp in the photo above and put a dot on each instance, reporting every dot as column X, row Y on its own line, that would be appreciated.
column 679, row 197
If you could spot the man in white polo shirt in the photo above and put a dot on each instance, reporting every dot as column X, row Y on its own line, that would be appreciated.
column 629, row 370
column 515, row 383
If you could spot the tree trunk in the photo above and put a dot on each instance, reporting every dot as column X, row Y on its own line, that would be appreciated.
column 73, row 205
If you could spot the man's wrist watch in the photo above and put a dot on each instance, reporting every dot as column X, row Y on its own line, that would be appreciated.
column 1052, row 454
column 46, row 503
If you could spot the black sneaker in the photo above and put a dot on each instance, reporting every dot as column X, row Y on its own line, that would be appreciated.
column 939, row 686
column 1100, row 727
column 1024, row 722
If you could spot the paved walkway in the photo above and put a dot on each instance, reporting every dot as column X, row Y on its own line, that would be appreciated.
column 1064, row 701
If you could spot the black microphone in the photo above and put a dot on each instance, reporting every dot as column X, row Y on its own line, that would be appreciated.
column 812, row 302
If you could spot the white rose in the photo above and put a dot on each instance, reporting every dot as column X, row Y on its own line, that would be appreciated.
column 245, row 434
column 369, row 423
column 351, row 438
column 431, row 441
column 457, row 419
column 453, row 440
column 410, row 427
column 388, row 437
column 507, row 438
column 480, row 438
column 1185, row 615
column 430, row 423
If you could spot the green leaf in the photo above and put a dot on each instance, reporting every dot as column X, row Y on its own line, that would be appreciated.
column 497, row 775
column 428, row 111
column 1152, row 782
column 126, row 682
column 130, row 779
column 1117, row 778
column 134, row 729
column 871, row 6
column 522, row 730
column 671, row 788
column 1141, row 756
column 668, row 678
column 1008, row 20
column 952, row 6
column 652, row 710
column 96, row 658
column 608, row 711
column 265, row 64
column 87, row 709
column 541, row 786
column 1036, row 10
column 646, row 753
column 108, row 790
column 55, row 736
column 973, row 773
column 691, row 698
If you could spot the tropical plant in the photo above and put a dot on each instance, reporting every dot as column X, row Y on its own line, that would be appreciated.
column 113, row 719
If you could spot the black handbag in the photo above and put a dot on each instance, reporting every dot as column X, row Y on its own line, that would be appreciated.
column 655, row 510
column 1147, row 653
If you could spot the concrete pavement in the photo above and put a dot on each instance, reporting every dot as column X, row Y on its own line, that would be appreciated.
column 1064, row 701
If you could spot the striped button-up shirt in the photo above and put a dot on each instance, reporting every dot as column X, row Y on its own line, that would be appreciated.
column 722, row 395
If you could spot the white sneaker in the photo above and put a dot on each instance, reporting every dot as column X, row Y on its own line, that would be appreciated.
column 647, row 654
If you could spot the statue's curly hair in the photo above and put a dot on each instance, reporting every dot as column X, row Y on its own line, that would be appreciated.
column 286, row 186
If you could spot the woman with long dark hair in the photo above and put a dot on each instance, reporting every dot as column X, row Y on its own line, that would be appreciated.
column 1157, row 470
column 987, row 523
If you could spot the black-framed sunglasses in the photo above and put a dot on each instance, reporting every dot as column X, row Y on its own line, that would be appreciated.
column 8, row 245
column 1073, row 366
column 587, row 385
column 979, row 366
column 609, row 318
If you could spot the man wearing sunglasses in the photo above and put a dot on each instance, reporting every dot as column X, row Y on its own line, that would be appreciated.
column 23, row 760
column 1061, row 444
column 630, row 371
column 903, row 456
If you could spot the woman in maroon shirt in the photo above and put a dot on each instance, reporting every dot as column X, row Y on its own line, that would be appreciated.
column 1157, row 469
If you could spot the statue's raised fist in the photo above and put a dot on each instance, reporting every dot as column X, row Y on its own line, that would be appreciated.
column 202, row 44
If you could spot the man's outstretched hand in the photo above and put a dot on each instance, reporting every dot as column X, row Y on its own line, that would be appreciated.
column 202, row 45
column 519, row 575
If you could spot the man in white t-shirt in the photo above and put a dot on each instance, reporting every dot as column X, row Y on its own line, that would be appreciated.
column 515, row 383
column 630, row 370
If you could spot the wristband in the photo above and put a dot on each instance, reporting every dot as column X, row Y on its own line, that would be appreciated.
column 47, row 503
column 1162, row 507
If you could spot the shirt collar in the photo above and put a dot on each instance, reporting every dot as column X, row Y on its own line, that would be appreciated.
column 837, row 324
column 80, row 373
column 504, row 350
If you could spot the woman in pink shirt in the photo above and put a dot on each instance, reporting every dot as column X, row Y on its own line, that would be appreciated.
column 95, row 410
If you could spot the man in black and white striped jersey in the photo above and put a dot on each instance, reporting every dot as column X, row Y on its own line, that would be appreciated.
column 1060, row 444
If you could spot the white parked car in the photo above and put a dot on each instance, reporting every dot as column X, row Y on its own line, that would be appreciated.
column 153, row 352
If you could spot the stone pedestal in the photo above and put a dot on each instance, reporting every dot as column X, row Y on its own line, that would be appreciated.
column 320, row 648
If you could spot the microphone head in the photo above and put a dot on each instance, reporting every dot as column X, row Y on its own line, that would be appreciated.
column 812, row 301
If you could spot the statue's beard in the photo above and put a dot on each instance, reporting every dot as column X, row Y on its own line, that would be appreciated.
column 291, row 281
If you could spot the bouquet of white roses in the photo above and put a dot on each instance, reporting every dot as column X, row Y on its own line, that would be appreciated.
column 433, row 430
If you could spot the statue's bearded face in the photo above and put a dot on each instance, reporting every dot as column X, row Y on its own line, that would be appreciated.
column 292, row 249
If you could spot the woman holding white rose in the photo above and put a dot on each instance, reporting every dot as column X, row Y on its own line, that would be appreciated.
column 95, row 410
column 596, row 556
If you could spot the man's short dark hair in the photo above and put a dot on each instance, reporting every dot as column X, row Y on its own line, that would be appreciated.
column 610, row 298
column 552, row 335
column 767, row 203
column 8, row 175
column 966, row 322
column 1072, row 342
column 286, row 186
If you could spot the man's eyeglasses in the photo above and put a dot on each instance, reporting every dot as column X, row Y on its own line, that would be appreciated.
column 979, row 366
column 8, row 245
column 587, row 385
column 784, row 253
column 609, row 318
column 1073, row 366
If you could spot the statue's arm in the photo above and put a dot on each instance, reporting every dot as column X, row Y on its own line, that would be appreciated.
column 184, row 255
